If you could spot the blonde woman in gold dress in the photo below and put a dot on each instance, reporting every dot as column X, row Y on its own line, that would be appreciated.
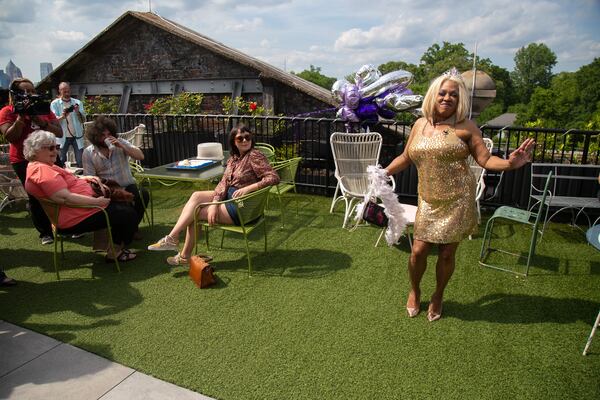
column 438, row 145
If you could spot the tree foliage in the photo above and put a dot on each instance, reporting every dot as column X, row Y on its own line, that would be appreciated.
column 533, row 68
column 314, row 75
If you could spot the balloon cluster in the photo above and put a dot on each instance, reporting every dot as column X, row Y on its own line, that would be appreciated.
column 374, row 95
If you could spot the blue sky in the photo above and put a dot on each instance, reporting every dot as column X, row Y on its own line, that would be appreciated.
column 338, row 36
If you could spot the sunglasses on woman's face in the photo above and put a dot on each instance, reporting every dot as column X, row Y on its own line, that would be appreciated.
column 50, row 148
column 241, row 138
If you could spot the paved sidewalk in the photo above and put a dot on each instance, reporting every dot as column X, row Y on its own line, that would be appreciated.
column 34, row 366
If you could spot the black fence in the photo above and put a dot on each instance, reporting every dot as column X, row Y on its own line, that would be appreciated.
column 171, row 138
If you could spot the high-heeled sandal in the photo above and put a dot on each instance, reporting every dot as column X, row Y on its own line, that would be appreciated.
column 431, row 316
column 413, row 311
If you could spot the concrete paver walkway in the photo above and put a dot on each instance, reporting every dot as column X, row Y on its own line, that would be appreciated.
column 34, row 366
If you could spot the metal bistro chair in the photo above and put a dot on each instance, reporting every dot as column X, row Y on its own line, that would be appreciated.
column 11, row 189
column 479, row 174
column 352, row 154
column 287, row 181
column 520, row 216
column 251, row 213
column 52, row 210
column 593, row 238
column 267, row 150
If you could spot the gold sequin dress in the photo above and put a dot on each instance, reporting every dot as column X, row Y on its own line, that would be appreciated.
column 446, row 211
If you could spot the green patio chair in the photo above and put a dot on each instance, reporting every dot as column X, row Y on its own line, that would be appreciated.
column 136, row 168
column 287, row 181
column 52, row 210
column 267, row 150
column 519, row 216
column 251, row 213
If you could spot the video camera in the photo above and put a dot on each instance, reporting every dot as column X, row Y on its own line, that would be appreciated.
column 30, row 104
column 69, row 109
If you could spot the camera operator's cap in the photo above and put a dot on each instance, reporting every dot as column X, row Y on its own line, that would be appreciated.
column 210, row 151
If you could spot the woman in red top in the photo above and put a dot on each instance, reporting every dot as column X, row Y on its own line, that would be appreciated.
column 247, row 170
column 16, row 127
column 48, row 181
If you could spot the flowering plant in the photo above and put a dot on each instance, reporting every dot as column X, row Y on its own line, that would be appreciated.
column 182, row 103
column 101, row 104
column 244, row 107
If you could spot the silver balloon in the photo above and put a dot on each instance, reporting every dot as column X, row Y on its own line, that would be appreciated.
column 366, row 75
column 337, row 90
column 417, row 112
column 400, row 102
column 391, row 80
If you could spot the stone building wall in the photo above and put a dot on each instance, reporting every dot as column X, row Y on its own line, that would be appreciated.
column 134, row 51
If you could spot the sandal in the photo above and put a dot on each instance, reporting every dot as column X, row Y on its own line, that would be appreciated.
column 124, row 256
column 177, row 259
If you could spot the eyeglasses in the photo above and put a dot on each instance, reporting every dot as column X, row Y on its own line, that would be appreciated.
column 50, row 148
column 241, row 138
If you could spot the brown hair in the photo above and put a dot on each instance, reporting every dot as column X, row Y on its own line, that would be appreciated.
column 239, row 129
column 95, row 132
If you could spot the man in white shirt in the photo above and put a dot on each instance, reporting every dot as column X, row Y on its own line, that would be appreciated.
column 71, row 115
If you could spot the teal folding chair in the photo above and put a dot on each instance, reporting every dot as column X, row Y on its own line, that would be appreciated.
column 593, row 238
column 250, row 210
column 517, row 216
column 287, row 181
column 52, row 210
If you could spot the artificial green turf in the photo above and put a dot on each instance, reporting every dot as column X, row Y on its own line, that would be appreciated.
column 323, row 315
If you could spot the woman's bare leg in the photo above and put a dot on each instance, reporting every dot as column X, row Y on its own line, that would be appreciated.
column 190, row 236
column 186, row 218
column 444, row 269
column 417, row 263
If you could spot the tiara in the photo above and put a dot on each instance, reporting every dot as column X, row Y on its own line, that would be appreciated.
column 453, row 72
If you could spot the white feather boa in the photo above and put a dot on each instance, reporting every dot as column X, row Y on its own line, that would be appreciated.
column 379, row 187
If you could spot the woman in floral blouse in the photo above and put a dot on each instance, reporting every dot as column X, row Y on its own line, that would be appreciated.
column 247, row 170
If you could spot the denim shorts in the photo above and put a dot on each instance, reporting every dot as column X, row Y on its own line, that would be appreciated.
column 231, row 208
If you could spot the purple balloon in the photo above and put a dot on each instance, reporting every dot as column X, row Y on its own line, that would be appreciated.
column 367, row 111
column 385, row 113
column 347, row 114
column 351, row 96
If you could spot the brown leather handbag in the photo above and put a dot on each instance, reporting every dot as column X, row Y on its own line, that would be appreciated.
column 201, row 272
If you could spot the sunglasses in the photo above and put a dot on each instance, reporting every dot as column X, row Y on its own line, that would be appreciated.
column 241, row 138
column 55, row 147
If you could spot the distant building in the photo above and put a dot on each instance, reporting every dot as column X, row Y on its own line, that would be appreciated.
column 142, row 56
column 45, row 69
column 13, row 71
column 4, row 80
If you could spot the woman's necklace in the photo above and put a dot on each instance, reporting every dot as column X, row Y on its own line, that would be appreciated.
column 447, row 121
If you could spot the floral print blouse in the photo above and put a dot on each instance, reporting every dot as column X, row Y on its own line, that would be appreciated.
column 243, row 171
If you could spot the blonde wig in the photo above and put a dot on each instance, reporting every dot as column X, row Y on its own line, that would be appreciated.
column 462, row 109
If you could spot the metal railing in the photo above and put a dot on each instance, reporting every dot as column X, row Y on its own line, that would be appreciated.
column 171, row 138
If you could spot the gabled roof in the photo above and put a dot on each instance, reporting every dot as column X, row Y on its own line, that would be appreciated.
column 266, row 70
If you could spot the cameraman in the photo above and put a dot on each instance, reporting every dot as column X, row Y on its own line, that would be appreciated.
column 16, row 124
column 69, row 112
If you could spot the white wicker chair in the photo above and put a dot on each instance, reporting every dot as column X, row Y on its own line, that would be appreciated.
column 479, row 173
column 352, row 154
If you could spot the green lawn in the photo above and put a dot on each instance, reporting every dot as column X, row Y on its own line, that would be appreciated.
column 323, row 315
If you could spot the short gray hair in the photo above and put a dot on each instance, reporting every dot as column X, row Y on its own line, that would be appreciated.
column 36, row 141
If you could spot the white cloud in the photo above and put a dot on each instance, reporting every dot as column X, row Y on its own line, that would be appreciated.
column 245, row 25
column 72, row 36
column 339, row 36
